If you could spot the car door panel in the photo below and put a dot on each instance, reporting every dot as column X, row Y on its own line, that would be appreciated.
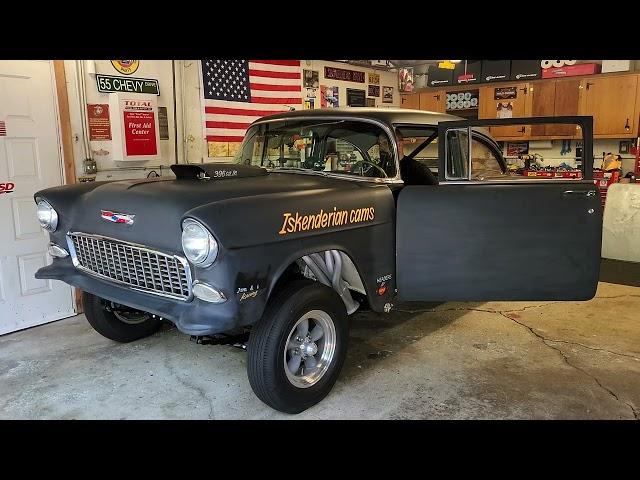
column 498, row 242
column 508, row 239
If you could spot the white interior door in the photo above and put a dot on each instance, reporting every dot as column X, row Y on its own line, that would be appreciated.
column 30, row 159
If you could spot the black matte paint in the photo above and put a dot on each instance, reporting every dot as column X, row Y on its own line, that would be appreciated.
column 245, row 215
column 487, row 241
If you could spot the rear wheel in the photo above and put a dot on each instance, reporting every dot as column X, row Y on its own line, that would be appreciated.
column 298, row 347
column 118, row 322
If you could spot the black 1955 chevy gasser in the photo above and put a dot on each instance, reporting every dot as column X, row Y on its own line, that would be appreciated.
column 314, row 221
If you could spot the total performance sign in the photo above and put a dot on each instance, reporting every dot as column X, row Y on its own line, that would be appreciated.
column 109, row 84
column 135, row 127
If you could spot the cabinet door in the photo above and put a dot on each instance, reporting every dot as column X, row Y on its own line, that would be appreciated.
column 490, row 107
column 434, row 101
column 410, row 101
column 542, row 105
column 566, row 104
column 611, row 101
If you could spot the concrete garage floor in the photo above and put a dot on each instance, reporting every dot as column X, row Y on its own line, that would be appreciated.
column 546, row 360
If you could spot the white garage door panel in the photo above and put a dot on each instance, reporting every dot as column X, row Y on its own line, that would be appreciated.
column 25, row 221
column 15, row 92
column 23, row 159
column 30, row 158
column 28, row 266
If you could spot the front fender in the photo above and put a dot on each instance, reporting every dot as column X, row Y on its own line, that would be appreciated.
column 255, row 249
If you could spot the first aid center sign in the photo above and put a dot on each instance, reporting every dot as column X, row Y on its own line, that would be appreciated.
column 139, row 128
column 134, row 127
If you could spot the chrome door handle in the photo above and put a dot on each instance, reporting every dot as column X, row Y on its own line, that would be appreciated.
column 588, row 193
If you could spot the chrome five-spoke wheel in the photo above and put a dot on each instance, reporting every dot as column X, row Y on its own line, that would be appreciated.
column 310, row 348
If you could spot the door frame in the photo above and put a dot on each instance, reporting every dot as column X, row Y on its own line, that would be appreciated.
column 585, row 122
column 64, row 121
column 65, row 140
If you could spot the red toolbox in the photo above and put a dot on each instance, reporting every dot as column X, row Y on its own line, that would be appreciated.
column 571, row 70
column 604, row 180
column 553, row 174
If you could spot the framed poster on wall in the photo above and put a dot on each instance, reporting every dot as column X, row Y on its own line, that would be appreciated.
column 329, row 97
column 356, row 97
column 405, row 76
column 387, row 94
column 311, row 79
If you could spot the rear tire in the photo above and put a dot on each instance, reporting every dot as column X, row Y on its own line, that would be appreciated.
column 121, row 324
column 291, row 364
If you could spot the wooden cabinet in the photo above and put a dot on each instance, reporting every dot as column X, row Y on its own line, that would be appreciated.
column 434, row 101
column 612, row 101
column 411, row 100
column 566, row 104
column 492, row 107
column 554, row 98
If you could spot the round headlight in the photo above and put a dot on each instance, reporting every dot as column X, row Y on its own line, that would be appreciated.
column 198, row 244
column 47, row 216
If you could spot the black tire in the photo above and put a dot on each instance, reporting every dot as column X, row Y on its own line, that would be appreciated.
column 266, row 364
column 107, row 324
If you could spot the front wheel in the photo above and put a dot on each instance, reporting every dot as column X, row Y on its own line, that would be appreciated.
column 117, row 322
column 296, row 350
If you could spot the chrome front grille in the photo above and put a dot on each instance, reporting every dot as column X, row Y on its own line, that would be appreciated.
column 134, row 265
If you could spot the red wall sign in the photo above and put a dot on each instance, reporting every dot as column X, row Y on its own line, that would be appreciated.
column 343, row 74
column 140, row 133
column 99, row 124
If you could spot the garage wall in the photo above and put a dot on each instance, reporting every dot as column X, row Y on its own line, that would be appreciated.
column 387, row 79
column 109, row 167
column 195, row 145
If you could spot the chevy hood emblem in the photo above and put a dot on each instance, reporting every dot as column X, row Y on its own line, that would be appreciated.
column 117, row 217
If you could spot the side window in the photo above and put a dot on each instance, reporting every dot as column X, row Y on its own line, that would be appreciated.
column 457, row 154
column 484, row 163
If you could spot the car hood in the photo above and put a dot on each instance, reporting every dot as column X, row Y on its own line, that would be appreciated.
column 159, row 205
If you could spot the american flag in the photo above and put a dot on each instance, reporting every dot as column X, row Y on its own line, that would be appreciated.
column 237, row 92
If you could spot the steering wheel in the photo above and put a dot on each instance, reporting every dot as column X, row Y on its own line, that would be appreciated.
column 371, row 164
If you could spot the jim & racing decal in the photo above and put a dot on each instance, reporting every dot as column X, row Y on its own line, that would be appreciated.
column 294, row 222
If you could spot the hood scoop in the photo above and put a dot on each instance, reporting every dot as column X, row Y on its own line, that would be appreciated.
column 216, row 171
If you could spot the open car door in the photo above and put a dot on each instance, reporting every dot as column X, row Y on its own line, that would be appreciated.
column 498, row 238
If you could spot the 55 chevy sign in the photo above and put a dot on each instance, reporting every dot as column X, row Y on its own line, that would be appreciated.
column 109, row 84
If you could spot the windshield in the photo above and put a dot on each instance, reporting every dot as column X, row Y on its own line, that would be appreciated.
column 339, row 146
